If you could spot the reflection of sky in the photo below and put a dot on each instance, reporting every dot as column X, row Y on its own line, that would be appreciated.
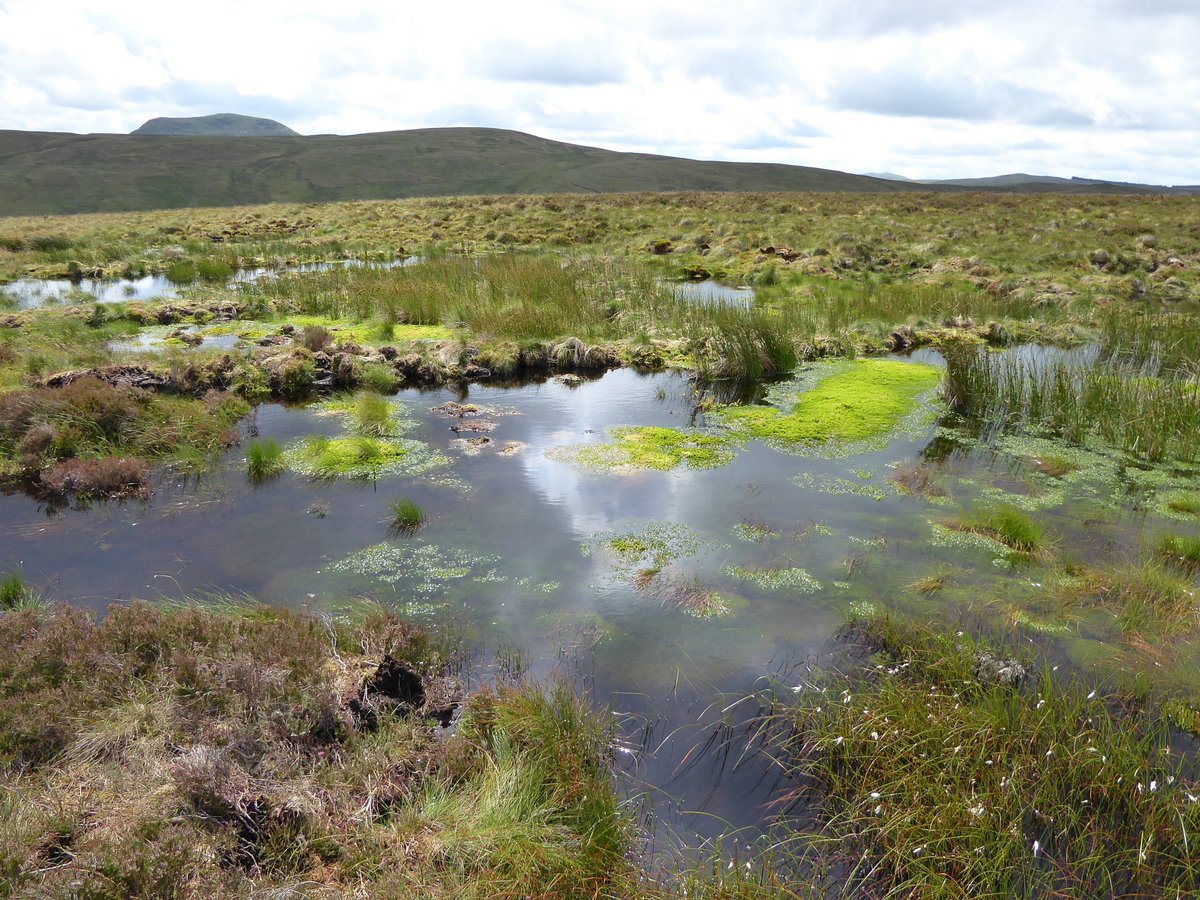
column 710, row 293
column 37, row 291
column 32, row 292
column 601, row 501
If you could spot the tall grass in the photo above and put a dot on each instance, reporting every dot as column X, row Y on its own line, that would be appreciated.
column 1156, row 343
column 264, row 459
column 1148, row 417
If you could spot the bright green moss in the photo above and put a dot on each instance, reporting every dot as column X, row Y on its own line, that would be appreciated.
column 360, row 457
column 861, row 400
column 636, row 447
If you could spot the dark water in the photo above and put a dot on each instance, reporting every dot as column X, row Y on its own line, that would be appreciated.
column 511, row 558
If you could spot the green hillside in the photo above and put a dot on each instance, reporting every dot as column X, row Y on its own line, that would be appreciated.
column 45, row 173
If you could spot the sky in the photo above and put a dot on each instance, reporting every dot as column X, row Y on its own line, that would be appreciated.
column 925, row 88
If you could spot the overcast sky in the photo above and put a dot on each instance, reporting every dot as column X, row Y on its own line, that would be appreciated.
column 926, row 88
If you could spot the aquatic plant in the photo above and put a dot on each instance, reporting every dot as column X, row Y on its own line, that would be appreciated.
column 1147, row 597
column 372, row 415
column 640, row 555
column 1147, row 417
column 792, row 579
column 1180, row 552
column 264, row 459
column 650, row 447
column 1008, row 525
column 407, row 517
column 855, row 402
column 428, row 569
column 360, row 457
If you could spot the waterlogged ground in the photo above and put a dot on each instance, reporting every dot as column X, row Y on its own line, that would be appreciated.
column 674, row 579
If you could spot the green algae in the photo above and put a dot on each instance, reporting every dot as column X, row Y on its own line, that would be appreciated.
column 360, row 457
column 1023, row 620
column 650, row 447
column 794, row 578
column 427, row 569
column 853, row 405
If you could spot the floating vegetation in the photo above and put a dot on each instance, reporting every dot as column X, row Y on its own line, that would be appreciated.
column 753, row 532
column 876, row 540
column 853, row 405
column 425, row 569
column 697, row 599
column 361, row 457
column 794, row 579
column 1006, row 524
column 944, row 536
column 651, row 548
column 841, row 487
column 1022, row 619
column 650, row 447
column 1178, row 504
column 814, row 530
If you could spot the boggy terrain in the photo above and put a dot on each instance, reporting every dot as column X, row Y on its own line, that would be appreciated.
column 908, row 521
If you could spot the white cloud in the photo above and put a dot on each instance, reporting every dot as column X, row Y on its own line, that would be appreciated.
column 1100, row 88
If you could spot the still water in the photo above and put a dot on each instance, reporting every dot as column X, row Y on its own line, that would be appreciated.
column 514, row 557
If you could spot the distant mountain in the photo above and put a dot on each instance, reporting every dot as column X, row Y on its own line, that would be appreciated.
column 44, row 173
column 886, row 176
column 225, row 124
column 1019, row 181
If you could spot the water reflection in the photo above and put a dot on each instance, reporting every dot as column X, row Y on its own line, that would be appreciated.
column 29, row 293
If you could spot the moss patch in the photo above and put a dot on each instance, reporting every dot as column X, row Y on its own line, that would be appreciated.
column 650, row 447
column 859, row 401
column 360, row 457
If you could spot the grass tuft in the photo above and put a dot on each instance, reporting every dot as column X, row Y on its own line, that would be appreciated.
column 264, row 459
column 407, row 517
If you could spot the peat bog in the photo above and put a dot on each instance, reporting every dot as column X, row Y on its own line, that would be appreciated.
column 462, row 551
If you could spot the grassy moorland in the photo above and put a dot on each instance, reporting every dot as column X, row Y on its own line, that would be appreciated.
column 247, row 748
column 511, row 287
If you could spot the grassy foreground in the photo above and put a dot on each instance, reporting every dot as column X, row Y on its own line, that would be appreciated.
column 225, row 751
column 942, row 768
